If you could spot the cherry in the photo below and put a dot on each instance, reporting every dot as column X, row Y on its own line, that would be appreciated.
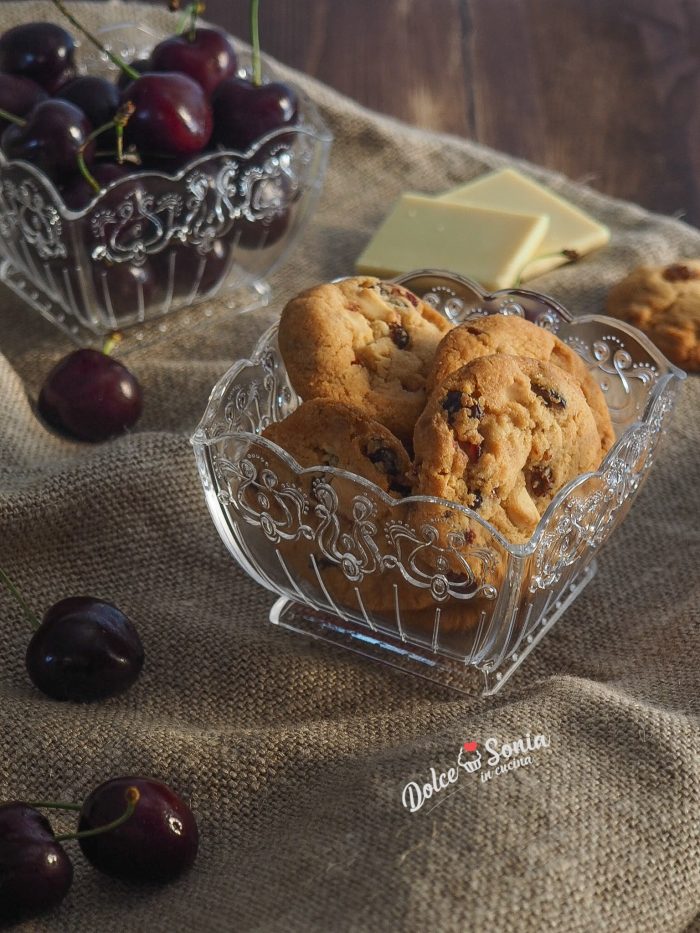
column 18, row 95
column 97, row 97
column 90, row 396
column 205, row 55
column 35, row 872
column 262, row 232
column 191, row 270
column 123, row 290
column 85, row 649
column 157, row 843
column 172, row 114
column 271, row 199
column 54, row 132
column 43, row 52
column 244, row 111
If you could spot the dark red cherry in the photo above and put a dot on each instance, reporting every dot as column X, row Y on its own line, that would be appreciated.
column 85, row 649
column 90, row 396
column 142, row 65
column 156, row 843
column 172, row 114
column 123, row 290
column 18, row 96
column 35, row 872
column 43, row 52
column 79, row 192
column 97, row 97
column 263, row 232
column 206, row 56
column 270, row 206
column 183, row 272
column 244, row 112
column 54, row 132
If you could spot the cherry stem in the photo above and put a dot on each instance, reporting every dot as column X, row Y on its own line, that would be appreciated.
column 111, row 343
column 24, row 605
column 188, row 20
column 569, row 254
column 255, row 41
column 54, row 805
column 195, row 9
column 119, row 62
column 132, row 157
column 121, row 118
column 132, row 796
column 18, row 121
column 182, row 22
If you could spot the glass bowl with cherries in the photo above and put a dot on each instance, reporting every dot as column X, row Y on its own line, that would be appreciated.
column 141, row 173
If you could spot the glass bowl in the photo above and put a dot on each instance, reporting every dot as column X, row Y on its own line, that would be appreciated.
column 423, row 583
column 216, row 227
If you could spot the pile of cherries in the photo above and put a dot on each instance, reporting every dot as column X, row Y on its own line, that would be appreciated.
column 130, row 827
column 185, row 99
column 86, row 133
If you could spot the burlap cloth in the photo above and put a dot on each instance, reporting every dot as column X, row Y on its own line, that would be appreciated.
column 294, row 754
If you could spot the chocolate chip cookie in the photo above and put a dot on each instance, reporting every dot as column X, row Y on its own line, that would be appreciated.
column 326, row 433
column 664, row 302
column 364, row 342
column 502, row 435
column 513, row 335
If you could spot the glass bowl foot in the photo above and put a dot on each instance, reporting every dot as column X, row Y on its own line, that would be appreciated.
column 469, row 679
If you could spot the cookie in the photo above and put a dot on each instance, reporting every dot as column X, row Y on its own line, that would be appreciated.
column 664, row 302
column 513, row 335
column 502, row 435
column 405, row 606
column 363, row 342
column 325, row 433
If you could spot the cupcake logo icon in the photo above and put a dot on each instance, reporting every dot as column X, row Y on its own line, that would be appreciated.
column 468, row 759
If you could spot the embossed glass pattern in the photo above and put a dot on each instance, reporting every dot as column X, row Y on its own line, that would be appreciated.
column 423, row 583
column 138, row 253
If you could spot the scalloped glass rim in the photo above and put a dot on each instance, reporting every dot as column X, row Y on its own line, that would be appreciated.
column 319, row 132
column 475, row 287
column 201, row 438
column 313, row 126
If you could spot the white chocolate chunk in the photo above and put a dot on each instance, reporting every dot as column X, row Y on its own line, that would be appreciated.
column 421, row 232
column 569, row 227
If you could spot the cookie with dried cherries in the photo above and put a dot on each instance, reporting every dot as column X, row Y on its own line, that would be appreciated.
column 515, row 336
column 502, row 435
column 364, row 342
column 664, row 302
column 321, row 432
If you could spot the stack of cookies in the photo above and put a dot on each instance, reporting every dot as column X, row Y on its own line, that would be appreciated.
column 496, row 414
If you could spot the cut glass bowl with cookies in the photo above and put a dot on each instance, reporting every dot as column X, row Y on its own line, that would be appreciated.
column 161, row 239
column 424, row 472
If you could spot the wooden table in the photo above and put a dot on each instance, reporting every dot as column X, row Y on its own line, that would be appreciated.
column 605, row 91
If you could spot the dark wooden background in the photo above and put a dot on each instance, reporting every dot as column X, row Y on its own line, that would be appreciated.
column 606, row 91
